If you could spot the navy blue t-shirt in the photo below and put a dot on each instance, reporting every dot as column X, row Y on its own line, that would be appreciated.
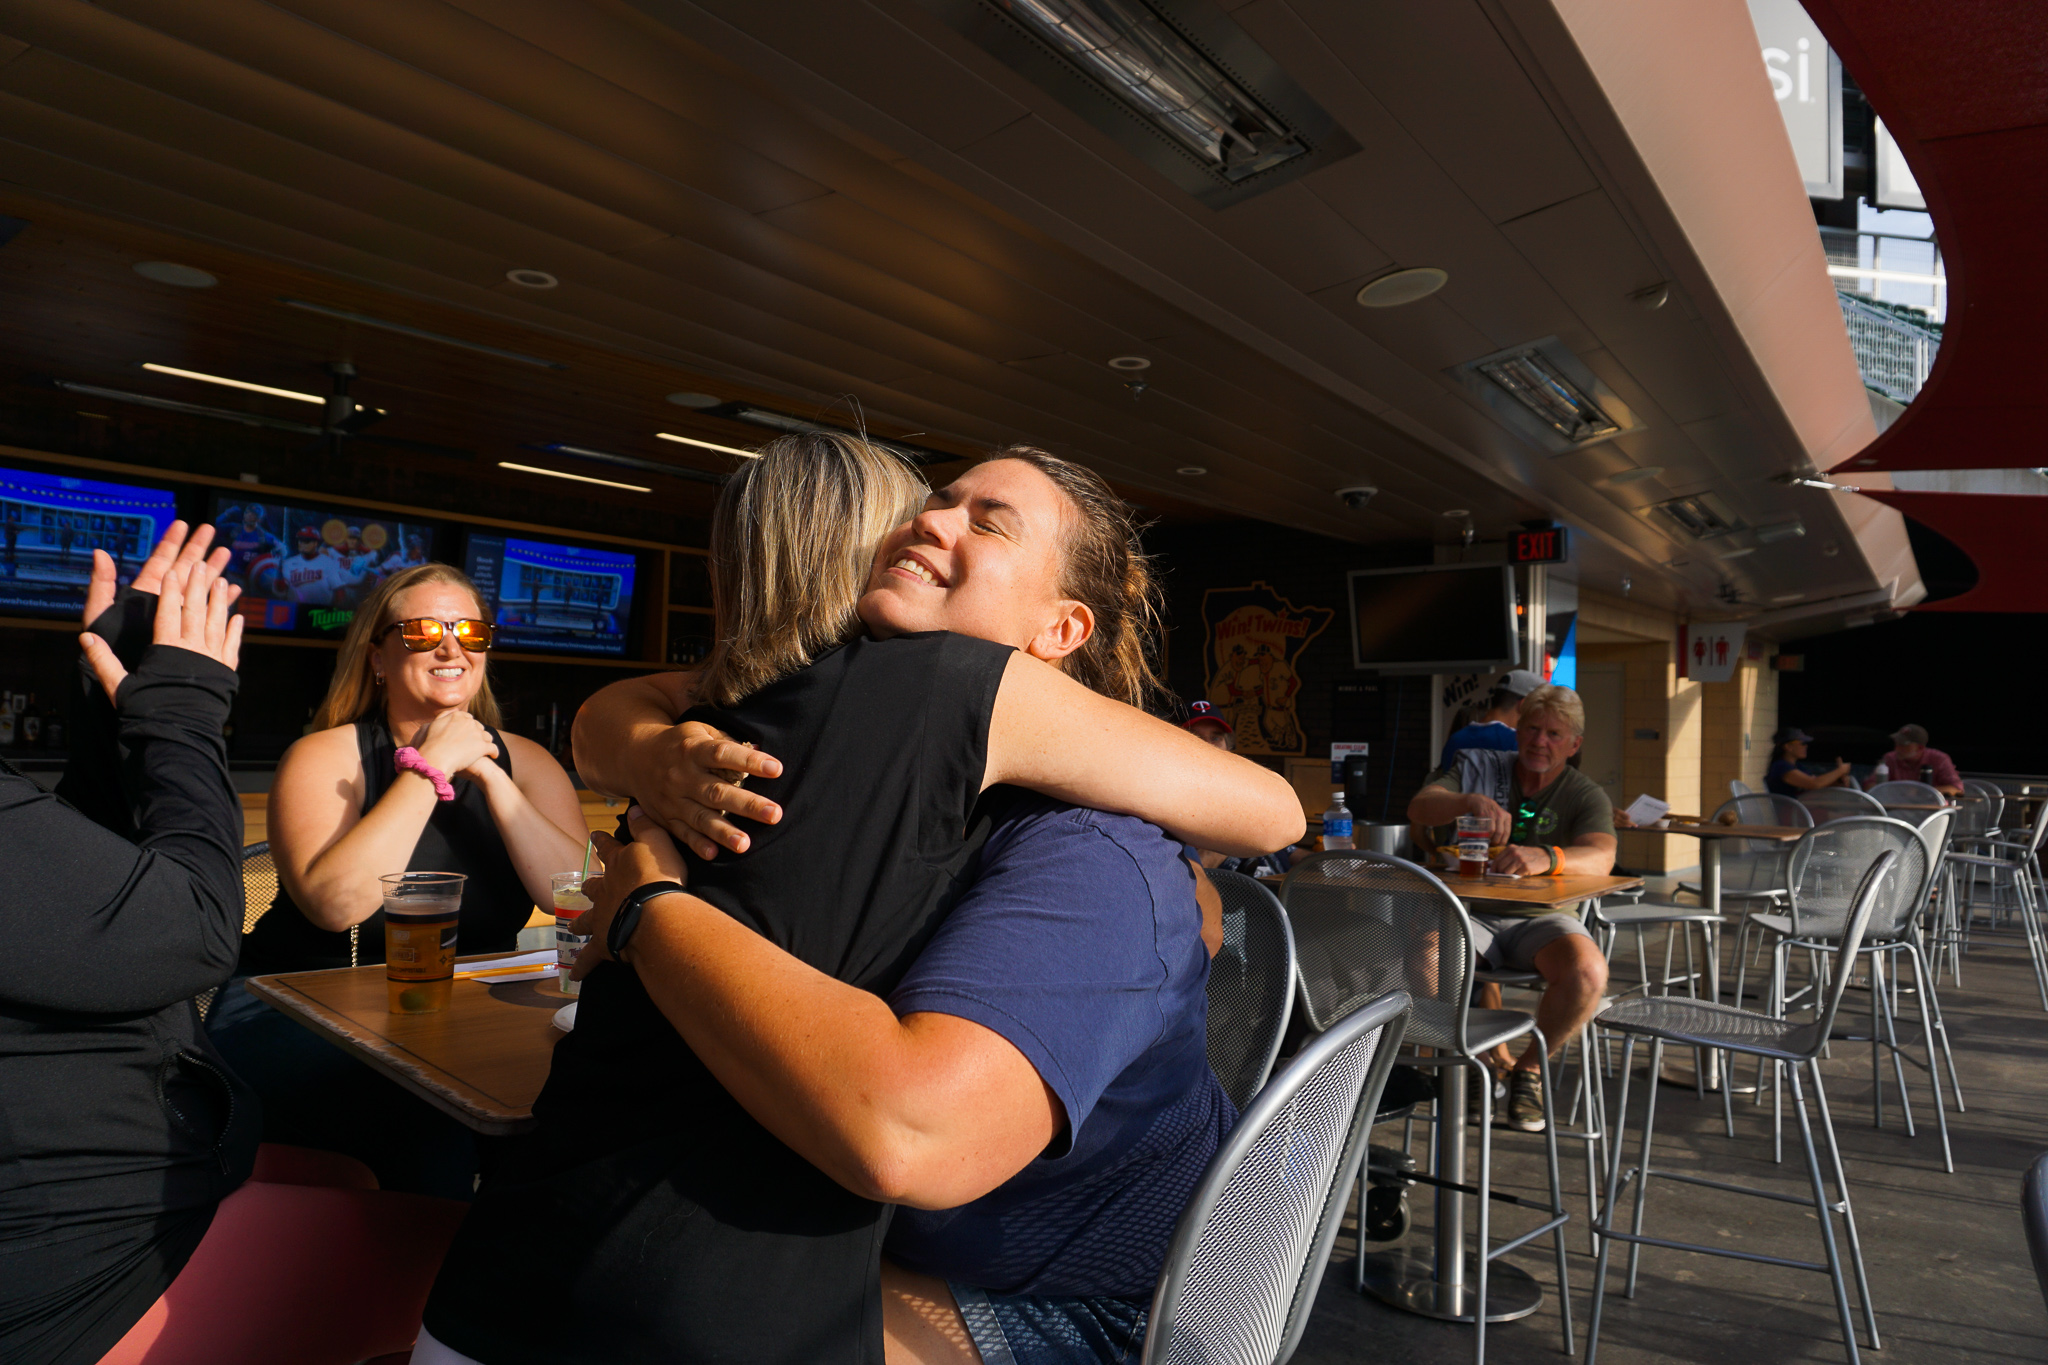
column 1080, row 942
column 1492, row 734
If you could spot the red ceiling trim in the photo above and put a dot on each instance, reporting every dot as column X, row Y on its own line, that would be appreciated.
column 1964, row 88
column 2006, row 535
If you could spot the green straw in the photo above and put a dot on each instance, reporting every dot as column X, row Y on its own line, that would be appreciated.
column 588, row 849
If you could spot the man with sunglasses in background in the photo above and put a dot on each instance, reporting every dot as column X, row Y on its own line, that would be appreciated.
column 1553, row 821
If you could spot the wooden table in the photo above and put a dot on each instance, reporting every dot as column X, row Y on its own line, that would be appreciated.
column 1550, row 893
column 482, row 1060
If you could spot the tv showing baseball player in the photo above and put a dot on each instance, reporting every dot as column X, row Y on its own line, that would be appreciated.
column 308, row 568
column 548, row 596
column 51, row 523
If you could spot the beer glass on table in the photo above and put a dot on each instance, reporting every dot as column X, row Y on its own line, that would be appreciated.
column 422, row 912
column 1473, row 850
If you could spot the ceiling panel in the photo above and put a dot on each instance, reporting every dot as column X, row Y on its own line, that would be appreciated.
column 1477, row 116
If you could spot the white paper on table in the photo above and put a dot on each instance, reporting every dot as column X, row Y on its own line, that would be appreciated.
column 537, row 964
column 1647, row 810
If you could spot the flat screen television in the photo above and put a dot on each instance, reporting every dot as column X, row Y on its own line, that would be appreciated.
column 1454, row 618
column 307, row 568
column 51, row 523
column 548, row 596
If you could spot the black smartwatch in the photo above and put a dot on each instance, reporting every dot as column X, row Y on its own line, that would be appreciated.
column 627, row 920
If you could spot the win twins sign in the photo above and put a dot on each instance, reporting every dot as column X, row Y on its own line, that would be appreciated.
column 1252, row 640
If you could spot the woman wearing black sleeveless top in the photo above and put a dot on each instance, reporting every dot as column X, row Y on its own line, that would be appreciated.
column 679, row 1228
column 412, row 672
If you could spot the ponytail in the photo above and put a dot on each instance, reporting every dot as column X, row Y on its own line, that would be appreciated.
column 1104, row 568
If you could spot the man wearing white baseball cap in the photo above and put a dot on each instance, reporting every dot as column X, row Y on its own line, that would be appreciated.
column 1495, row 729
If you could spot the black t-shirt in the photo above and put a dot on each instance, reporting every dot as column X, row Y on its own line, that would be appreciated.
column 677, row 1228
column 460, row 836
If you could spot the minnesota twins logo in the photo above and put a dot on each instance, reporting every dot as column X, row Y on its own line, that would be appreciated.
column 1253, row 636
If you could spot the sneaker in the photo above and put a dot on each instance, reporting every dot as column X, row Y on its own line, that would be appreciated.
column 1476, row 1082
column 1525, row 1102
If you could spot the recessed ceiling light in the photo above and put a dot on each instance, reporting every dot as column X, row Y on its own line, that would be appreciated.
column 1737, row 552
column 579, row 478
column 183, row 276
column 1129, row 362
column 695, row 400
column 1788, row 597
column 1454, row 513
column 1648, row 471
column 1545, row 390
column 1403, row 286
column 708, row 445
column 532, row 279
column 1192, row 470
column 233, row 383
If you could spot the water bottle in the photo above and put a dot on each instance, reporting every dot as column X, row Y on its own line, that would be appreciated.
column 1337, row 823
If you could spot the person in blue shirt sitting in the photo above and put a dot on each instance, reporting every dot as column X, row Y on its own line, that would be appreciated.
column 1496, row 728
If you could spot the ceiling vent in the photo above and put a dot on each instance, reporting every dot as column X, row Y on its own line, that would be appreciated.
column 1703, row 516
column 1175, row 82
column 1547, row 395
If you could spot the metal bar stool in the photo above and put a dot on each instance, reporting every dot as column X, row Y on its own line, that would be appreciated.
column 1702, row 1023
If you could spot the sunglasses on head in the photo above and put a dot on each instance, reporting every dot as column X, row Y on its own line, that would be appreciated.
column 423, row 633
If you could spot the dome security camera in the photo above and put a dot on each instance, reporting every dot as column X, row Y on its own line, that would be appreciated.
column 1357, row 497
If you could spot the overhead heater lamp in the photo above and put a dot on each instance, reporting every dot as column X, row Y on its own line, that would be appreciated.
column 1560, row 404
column 1142, row 60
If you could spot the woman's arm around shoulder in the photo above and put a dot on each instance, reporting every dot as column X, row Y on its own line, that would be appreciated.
column 1053, row 735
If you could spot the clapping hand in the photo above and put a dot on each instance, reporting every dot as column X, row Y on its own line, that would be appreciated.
column 192, row 609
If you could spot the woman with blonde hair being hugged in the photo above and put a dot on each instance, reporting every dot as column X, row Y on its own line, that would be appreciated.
column 404, row 770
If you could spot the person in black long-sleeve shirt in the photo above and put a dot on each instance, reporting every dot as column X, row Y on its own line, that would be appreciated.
column 121, row 1131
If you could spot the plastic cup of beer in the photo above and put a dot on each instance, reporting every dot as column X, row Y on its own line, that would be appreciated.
column 570, row 906
column 1472, row 856
column 422, row 911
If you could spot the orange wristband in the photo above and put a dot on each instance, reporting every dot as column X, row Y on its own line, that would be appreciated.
column 1557, row 868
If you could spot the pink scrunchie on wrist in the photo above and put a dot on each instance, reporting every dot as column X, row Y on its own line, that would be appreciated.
column 409, row 761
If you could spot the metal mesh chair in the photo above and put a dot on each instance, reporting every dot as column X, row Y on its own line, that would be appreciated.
column 259, row 889
column 2014, row 865
column 1251, row 986
column 1828, row 868
column 1702, row 1023
column 1366, row 924
column 1833, row 803
column 1993, row 800
column 259, row 883
column 1245, row 1263
column 1754, row 869
column 1907, row 793
column 1740, row 788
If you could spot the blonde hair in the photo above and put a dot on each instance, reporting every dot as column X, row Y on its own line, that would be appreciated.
column 1561, row 702
column 793, row 542
column 354, row 692
column 1103, row 566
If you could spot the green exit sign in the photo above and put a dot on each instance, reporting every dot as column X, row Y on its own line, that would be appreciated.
column 1543, row 545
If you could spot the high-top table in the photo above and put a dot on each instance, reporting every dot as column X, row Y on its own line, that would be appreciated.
column 482, row 1061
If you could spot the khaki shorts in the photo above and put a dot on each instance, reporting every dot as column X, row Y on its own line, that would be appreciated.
column 1509, row 943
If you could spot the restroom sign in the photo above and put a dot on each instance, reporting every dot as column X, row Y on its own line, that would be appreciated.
column 1709, row 653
